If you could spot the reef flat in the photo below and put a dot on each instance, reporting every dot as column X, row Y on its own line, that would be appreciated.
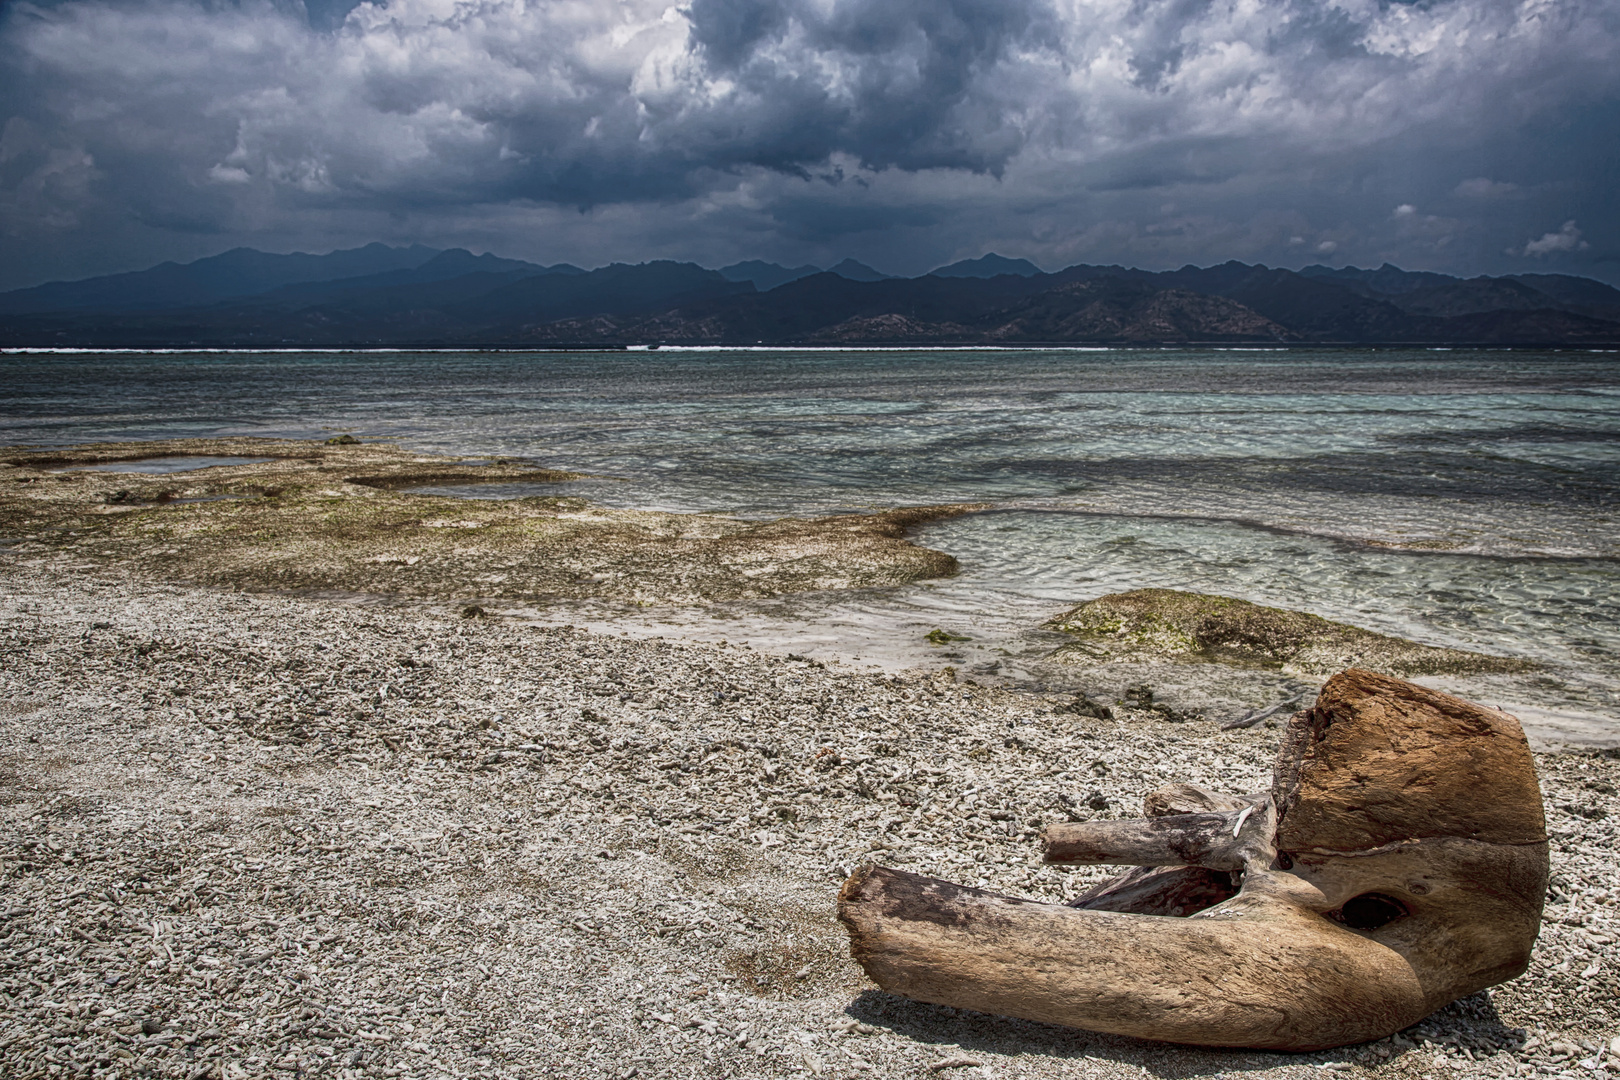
column 344, row 517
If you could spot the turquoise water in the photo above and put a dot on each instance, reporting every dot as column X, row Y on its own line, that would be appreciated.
column 1561, row 610
column 1468, row 498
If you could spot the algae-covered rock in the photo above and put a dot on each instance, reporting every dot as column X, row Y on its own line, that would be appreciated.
column 289, row 515
column 1167, row 624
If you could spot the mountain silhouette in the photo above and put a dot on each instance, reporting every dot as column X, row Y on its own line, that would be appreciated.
column 377, row 295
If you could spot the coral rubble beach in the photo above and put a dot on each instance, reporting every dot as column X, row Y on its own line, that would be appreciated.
column 248, row 829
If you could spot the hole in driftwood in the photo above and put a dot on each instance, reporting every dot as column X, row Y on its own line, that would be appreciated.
column 1176, row 891
column 1369, row 911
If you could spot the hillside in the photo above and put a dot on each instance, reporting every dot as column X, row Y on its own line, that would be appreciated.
column 418, row 296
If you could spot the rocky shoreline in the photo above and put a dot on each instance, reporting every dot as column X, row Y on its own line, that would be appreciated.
column 247, row 832
column 268, row 836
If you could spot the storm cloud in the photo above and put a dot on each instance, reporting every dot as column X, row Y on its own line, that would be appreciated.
column 904, row 132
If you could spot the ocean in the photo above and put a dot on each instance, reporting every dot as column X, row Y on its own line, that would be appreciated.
column 1461, row 497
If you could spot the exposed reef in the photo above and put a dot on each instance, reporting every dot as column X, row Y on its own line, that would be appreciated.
column 1188, row 627
column 339, row 517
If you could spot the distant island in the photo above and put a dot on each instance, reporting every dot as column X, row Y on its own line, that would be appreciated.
column 419, row 296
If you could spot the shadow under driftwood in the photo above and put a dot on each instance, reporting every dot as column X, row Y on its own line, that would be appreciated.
column 1472, row 1023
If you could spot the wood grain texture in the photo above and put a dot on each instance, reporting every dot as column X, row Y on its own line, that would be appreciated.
column 1262, row 974
column 1183, row 798
column 1378, row 760
column 1473, row 909
column 1159, row 890
column 1400, row 863
column 1208, row 840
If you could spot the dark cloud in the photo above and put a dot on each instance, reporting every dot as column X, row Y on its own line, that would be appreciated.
column 903, row 132
column 906, row 88
column 816, row 221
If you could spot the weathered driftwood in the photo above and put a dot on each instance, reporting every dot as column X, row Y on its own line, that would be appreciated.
column 1166, row 890
column 1399, row 862
column 1207, row 840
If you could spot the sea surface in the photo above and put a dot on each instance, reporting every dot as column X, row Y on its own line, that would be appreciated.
column 1469, row 498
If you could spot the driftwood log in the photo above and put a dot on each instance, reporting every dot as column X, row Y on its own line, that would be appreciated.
column 1399, row 862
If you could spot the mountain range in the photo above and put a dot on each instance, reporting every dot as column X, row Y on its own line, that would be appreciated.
column 380, row 295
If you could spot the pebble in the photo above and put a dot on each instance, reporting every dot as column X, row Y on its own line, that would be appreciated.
column 227, row 853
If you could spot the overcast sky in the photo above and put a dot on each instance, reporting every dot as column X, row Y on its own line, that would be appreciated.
column 1471, row 136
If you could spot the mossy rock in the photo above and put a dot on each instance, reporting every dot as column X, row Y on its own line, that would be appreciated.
column 365, row 519
column 1167, row 624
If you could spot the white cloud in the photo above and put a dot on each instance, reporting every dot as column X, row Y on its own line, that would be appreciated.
column 1567, row 238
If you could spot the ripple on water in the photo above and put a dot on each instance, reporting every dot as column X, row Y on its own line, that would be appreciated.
column 1465, row 453
column 165, row 465
column 1558, row 611
column 1554, row 609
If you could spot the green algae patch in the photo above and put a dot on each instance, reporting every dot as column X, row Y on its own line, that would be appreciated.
column 334, row 517
column 943, row 637
column 1167, row 624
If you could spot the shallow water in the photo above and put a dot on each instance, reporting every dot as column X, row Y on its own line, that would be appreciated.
column 1468, row 498
column 1550, row 609
column 166, row 465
